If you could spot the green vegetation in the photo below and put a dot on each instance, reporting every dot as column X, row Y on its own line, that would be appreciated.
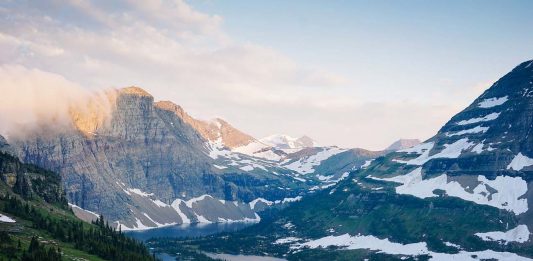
column 46, row 228
column 353, row 209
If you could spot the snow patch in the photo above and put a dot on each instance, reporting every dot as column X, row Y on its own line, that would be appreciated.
column 217, row 149
column 477, row 129
column 366, row 164
column 159, row 203
column 306, row 165
column 366, row 242
column 247, row 168
column 288, row 200
column 414, row 249
column 451, row 151
column 519, row 162
column 176, row 206
column 253, row 202
column 189, row 202
column 508, row 195
column 6, row 219
column 138, row 192
column 450, row 244
column 489, row 117
column 84, row 210
column 492, row 102
column 518, row 234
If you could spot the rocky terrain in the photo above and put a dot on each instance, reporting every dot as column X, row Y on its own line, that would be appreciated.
column 146, row 164
column 464, row 194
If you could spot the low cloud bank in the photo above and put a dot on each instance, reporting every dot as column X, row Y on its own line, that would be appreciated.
column 31, row 99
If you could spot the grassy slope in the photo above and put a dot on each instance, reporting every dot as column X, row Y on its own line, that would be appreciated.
column 23, row 230
column 47, row 199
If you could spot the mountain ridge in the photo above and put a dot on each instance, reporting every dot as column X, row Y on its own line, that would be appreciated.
column 141, row 162
column 466, row 194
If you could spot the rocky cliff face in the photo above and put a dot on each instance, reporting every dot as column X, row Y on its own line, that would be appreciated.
column 210, row 130
column 149, row 148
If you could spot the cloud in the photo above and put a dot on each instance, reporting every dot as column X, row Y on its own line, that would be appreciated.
column 32, row 98
column 180, row 54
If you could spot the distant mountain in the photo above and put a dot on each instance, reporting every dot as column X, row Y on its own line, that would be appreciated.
column 402, row 144
column 309, row 161
column 464, row 194
column 276, row 147
column 285, row 142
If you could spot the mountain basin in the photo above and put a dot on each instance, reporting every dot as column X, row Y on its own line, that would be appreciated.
column 188, row 230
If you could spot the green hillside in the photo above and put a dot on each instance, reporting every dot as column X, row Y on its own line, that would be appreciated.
column 46, row 228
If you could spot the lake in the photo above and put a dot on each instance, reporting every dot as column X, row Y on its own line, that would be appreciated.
column 186, row 230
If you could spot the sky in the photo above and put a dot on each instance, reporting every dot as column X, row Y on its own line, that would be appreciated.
column 347, row 73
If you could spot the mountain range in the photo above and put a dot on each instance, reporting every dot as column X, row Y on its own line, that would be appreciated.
column 145, row 164
column 464, row 194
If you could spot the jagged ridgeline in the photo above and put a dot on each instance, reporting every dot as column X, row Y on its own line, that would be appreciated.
column 36, row 222
column 146, row 164
column 464, row 194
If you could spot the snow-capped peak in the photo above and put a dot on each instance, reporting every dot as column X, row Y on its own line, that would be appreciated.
column 282, row 141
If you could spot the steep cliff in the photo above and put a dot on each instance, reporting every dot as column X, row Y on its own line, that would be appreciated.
column 210, row 130
column 133, row 162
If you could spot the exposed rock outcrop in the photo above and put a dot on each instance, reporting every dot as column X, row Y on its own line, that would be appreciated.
column 154, row 148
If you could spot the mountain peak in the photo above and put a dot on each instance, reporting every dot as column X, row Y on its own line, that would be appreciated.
column 210, row 130
column 283, row 141
column 134, row 90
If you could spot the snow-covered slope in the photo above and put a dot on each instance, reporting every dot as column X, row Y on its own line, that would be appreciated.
column 276, row 147
column 464, row 194
column 286, row 142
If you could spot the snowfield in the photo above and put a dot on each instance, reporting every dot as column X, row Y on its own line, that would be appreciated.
column 366, row 242
column 519, row 162
column 518, row 234
column 477, row 129
column 492, row 102
column 451, row 151
column 488, row 117
column 508, row 195
column 306, row 165
column 348, row 242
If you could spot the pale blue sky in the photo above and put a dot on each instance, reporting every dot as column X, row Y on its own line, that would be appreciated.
column 348, row 73
column 389, row 44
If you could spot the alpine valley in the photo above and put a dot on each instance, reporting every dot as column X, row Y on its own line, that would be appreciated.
column 464, row 194
column 144, row 164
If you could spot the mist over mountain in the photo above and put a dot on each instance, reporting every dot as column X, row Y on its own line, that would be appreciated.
column 146, row 164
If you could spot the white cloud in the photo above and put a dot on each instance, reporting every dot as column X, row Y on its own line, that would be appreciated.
column 31, row 96
column 180, row 54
